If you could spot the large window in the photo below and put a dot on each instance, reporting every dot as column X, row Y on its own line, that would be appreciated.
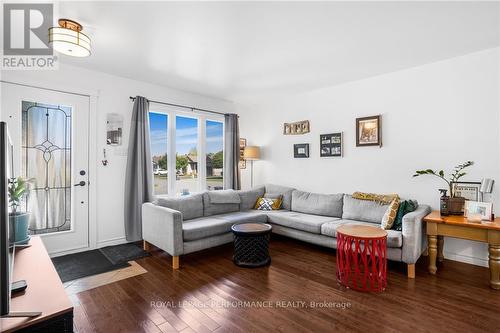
column 215, row 154
column 158, row 126
column 196, row 142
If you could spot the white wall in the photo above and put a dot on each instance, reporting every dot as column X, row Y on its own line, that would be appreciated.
column 434, row 116
column 112, row 97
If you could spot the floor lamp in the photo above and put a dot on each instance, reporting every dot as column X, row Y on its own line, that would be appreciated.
column 251, row 153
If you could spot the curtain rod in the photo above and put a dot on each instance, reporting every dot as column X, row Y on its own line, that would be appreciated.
column 182, row 106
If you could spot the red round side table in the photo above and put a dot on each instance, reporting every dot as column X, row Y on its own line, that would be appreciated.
column 361, row 257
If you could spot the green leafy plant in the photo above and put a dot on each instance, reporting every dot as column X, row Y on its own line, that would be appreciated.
column 457, row 173
column 18, row 187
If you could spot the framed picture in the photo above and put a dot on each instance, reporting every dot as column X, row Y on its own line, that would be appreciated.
column 482, row 209
column 243, row 163
column 330, row 145
column 299, row 127
column 368, row 131
column 301, row 150
column 467, row 190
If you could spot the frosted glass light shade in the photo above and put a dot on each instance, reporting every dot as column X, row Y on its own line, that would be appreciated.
column 251, row 153
column 68, row 39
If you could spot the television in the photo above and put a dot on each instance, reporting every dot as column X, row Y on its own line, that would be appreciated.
column 6, row 238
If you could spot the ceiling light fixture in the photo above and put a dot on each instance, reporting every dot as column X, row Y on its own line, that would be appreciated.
column 68, row 39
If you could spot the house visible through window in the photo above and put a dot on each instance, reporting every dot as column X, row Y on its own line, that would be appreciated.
column 188, row 137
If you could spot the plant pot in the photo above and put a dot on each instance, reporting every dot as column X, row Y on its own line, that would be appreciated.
column 456, row 206
column 18, row 228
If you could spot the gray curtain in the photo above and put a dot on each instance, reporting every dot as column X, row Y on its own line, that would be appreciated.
column 139, row 175
column 231, row 152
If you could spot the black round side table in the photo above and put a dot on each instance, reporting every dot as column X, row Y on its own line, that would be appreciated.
column 251, row 244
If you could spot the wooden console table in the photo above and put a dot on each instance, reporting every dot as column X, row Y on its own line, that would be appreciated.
column 458, row 227
column 45, row 293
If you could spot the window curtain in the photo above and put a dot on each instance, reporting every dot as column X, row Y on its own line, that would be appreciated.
column 139, row 174
column 232, row 179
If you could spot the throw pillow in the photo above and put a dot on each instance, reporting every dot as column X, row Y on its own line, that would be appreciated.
column 382, row 198
column 390, row 214
column 405, row 207
column 268, row 204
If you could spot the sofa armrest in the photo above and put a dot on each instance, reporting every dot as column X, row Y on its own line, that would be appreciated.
column 162, row 227
column 414, row 234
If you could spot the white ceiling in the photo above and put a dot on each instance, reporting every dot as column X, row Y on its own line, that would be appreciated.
column 242, row 51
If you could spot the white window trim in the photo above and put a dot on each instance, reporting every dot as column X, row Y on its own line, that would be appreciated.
column 201, row 144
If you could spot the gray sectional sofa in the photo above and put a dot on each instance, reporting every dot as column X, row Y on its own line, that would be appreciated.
column 192, row 223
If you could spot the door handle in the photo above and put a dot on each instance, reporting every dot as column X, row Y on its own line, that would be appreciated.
column 81, row 183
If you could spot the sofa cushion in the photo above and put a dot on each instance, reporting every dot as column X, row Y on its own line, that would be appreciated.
column 250, row 216
column 224, row 197
column 363, row 210
column 300, row 221
column 318, row 204
column 210, row 208
column 204, row 227
column 394, row 238
column 249, row 198
column 285, row 191
column 190, row 206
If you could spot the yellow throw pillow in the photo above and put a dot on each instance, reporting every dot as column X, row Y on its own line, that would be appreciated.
column 382, row 198
column 268, row 204
column 390, row 214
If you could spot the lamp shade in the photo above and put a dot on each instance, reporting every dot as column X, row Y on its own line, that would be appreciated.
column 68, row 39
column 251, row 153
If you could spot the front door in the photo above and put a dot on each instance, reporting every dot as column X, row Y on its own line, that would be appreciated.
column 50, row 132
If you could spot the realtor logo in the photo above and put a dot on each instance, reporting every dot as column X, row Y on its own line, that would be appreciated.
column 25, row 36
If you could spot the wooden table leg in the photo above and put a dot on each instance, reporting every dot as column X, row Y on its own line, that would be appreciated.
column 494, row 252
column 432, row 240
column 440, row 246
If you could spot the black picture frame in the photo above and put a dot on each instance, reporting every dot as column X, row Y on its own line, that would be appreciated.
column 362, row 127
column 331, row 145
column 467, row 190
column 301, row 150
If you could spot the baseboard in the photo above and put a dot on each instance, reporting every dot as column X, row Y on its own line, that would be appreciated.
column 466, row 259
column 111, row 241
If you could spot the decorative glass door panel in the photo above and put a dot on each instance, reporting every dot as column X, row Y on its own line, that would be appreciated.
column 46, row 160
column 50, row 133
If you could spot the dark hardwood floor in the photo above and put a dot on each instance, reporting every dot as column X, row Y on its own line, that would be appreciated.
column 208, row 292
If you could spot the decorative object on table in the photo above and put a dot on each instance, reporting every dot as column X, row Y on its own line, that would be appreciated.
column 486, row 187
column 299, row 127
column 361, row 257
column 478, row 210
column 444, row 200
column 114, row 129
column 242, row 164
column 185, row 191
column 18, row 221
column 330, row 145
column 301, row 150
column 251, row 244
column 251, row 153
column 369, row 131
column 467, row 190
column 455, row 203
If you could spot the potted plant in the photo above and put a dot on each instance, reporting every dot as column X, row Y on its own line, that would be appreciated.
column 18, row 221
column 455, row 204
